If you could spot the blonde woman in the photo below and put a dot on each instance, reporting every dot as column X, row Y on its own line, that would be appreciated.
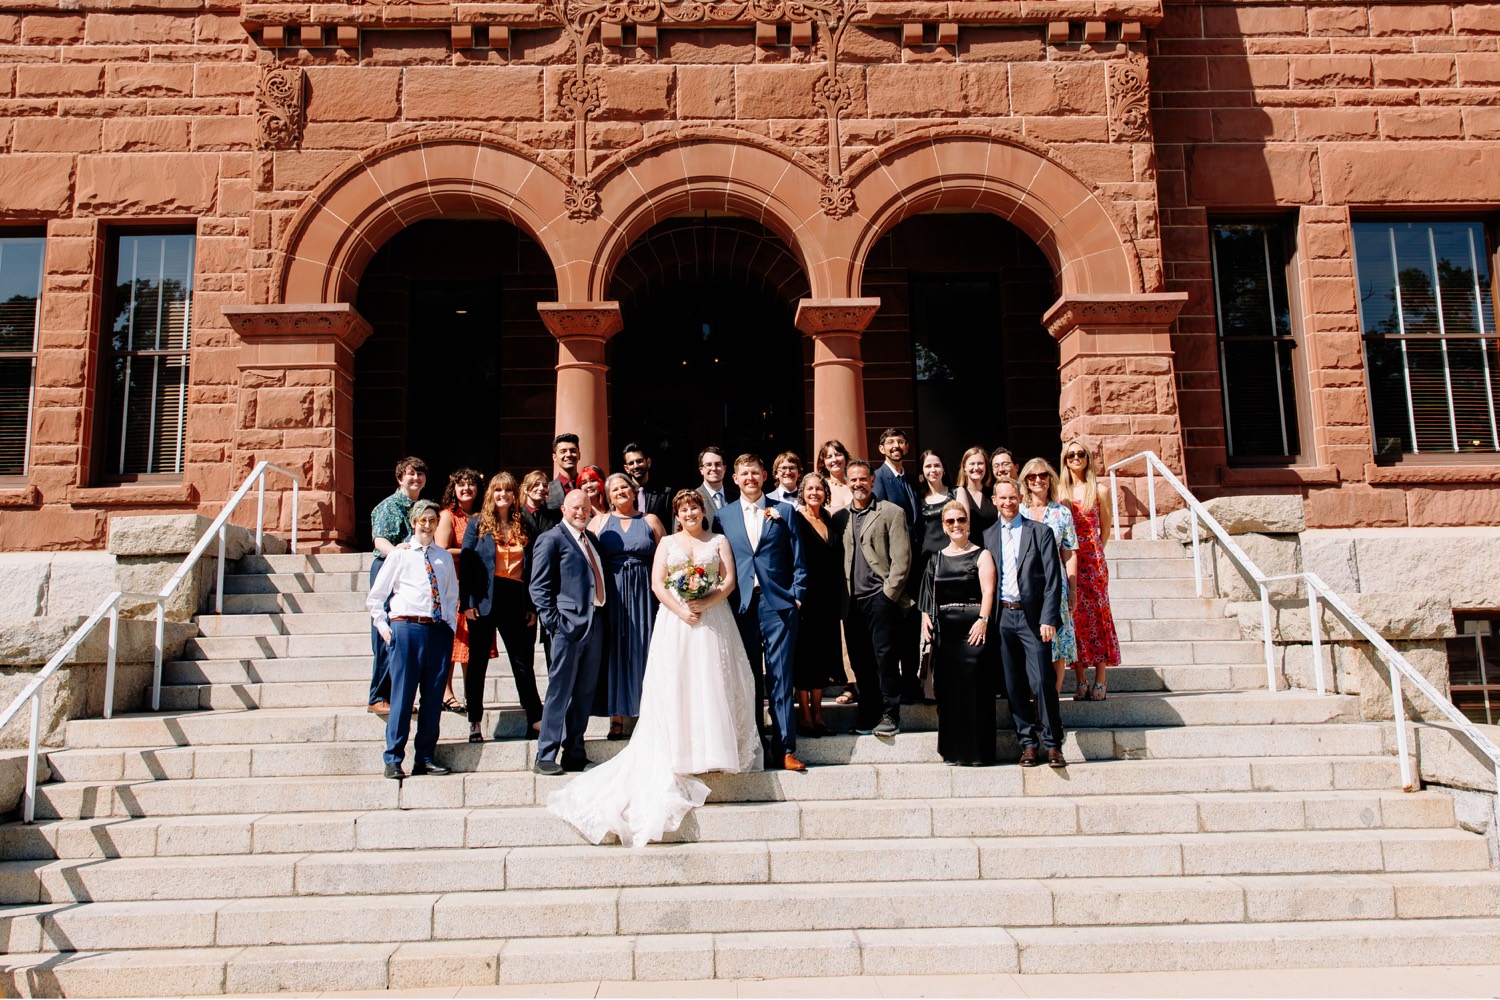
column 973, row 491
column 1039, row 503
column 1093, row 623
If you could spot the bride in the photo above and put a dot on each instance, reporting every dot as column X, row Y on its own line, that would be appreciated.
column 695, row 702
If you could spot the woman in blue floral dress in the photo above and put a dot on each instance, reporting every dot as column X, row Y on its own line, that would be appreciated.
column 1039, row 503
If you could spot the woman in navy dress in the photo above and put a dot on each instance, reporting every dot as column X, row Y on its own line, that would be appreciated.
column 627, row 542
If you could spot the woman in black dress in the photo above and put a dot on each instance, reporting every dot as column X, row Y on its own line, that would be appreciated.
column 958, row 594
column 973, row 490
column 819, row 660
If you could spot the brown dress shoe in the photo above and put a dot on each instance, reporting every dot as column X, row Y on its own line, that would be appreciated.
column 1029, row 757
column 1055, row 758
column 380, row 707
column 791, row 763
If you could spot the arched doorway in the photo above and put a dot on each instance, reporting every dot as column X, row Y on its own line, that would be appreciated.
column 458, row 368
column 708, row 353
column 957, row 354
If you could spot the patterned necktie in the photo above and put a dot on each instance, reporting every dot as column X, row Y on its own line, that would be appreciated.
column 718, row 501
column 437, row 601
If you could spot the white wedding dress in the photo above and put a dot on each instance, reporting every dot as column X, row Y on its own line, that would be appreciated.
column 695, row 717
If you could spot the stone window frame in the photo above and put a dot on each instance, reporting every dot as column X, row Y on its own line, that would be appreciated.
column 107, row 472
column 1297, row 451
column 18, row 478
column 1396, row 466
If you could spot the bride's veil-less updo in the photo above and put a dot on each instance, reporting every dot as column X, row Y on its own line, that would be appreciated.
column 690, row 498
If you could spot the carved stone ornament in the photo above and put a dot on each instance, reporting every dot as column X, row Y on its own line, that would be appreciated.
column 589, row 320
column 1155, row 310
column 818, row 317
column 837, row 200
column 282, row 112
column 1129, row 102
column 580, row 200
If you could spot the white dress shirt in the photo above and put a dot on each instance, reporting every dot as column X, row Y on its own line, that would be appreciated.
column 716, row 495
column 1010, row 550
column 754, row 513
column 403, row 579
column 593, row 560
column 783, row 495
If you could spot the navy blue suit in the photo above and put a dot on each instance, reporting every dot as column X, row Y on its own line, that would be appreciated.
column 503, row 605
column 767, row 611
column 902, row 490
column 1026, row 659
column 562, row 589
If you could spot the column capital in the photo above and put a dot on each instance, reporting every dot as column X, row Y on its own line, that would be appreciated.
column 312, row 335
column 595, row 320
column 1100, row 313
column 819, row 316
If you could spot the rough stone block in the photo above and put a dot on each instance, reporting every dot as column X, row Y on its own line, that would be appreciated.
column 1240, row 515
column 325, row 967
column 526, row 913
column 1324, row 897
column 438, row 964
column 148, row 183
column 914, row 951
column 774, row 955
column 675, row 957
column 565, row 960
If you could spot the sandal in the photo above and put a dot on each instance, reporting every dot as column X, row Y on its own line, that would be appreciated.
column 476, row 737
column 848, row 697
column 1081, row 692
column 452, row 705
column 1098, row 693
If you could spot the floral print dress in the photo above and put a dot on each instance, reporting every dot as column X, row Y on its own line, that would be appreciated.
column 1059, row 518
column 1093, row 622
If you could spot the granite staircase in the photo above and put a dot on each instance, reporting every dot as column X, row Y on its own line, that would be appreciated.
column 243, row 840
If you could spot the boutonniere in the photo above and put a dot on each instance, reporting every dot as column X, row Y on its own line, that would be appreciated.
column 772, row 514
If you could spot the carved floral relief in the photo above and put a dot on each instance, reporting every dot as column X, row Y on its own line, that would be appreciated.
column 281, row 115
column 1129, row 101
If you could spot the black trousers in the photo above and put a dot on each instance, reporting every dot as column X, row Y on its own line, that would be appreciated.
column 873, row 632
column 1029, row 678
column 507, row 617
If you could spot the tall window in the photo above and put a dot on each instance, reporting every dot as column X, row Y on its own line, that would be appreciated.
column 1255, row 341
column 147, row 354
column 1426, row 310
column 20, row 293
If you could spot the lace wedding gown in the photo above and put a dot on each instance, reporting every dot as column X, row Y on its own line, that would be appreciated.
column 695, row 717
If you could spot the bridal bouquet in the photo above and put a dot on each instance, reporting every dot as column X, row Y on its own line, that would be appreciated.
column 690, row 582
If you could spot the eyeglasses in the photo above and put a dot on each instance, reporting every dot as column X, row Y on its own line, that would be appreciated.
column 955, row 520
column 425, row 521
column 1075, row 454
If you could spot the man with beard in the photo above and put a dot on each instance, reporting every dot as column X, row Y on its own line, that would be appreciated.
column 895, row 485
column 648, row 499
column 565, row 454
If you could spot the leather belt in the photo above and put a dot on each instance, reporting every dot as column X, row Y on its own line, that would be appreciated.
column 1012, row 605
column 414, row 619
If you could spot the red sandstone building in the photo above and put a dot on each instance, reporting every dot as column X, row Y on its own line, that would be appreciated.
column 1257, row 238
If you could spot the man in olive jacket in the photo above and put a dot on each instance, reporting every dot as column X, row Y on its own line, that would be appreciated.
column 877, row 557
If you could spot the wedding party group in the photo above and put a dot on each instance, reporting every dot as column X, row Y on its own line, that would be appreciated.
column 707, row 623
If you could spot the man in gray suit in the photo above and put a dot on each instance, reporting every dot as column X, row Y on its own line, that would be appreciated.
column 877, row 557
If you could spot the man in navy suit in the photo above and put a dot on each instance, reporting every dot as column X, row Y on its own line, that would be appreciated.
column 1026, row 618
column 567, row 588
column 772, row 581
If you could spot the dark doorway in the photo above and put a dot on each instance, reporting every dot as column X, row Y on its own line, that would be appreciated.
column 708, row 353
column 459, row 369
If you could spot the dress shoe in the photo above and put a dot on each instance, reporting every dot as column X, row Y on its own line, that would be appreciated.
column 887, row 727
column 430, row 767
column 1029, row 757
column 394, row 771
column 575, row 764
column 380, row 708
column 1055, row 758
column 790, row 763
column 547, row 767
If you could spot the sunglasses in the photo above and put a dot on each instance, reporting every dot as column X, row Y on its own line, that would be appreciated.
column 425, row 521
column 1038, row 475
column 1075, row 454
column 955, row 520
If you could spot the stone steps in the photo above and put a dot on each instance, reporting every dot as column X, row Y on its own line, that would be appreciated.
column 584, row 866
column 1018, row 816
column 322, row 793
column 363, row 758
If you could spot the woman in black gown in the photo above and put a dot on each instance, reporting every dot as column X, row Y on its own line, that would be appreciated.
column 819, row 661
column 958, row 594
column 974, row 490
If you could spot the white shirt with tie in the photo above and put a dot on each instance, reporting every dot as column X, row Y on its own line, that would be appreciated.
column 1010, row 550
column 716, row 495
column 754, row 513
column 403, row 579
column 593, row 558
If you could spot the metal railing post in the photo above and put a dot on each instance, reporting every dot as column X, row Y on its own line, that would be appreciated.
column 1398, row 711
column 219, row 599
column 28, row 812
column 1114, row 502
column 1314, row 620
column 1151, row 495
column 109, row 669
column 260, row 510
column 295, row 508
column 161, row 635
column 1197, row 566
column 1265, row 625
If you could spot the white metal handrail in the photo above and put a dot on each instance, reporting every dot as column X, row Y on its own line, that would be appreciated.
column 1317, row 591
column 111, row 608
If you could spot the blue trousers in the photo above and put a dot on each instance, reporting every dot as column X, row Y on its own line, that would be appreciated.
column 418, row 655
column 1027, row 662
column 380, row 667
column 572, row 677
column 770, row 639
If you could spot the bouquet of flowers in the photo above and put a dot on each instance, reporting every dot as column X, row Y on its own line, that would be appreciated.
column 691, row 582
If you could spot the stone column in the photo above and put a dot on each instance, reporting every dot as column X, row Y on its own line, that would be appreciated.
column 836, row 326
column 583, row 330
column 296, row 410
column 1118, row 386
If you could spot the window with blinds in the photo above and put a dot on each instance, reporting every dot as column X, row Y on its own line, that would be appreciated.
column 146, row 364
column 1428, row 317
column 20, row 298
column 1255, row 341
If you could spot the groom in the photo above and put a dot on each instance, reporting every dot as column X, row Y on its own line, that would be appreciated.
column 771, row 582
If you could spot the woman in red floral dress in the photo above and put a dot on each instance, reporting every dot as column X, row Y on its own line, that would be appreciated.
column 1093, row 622
column 459, row 504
